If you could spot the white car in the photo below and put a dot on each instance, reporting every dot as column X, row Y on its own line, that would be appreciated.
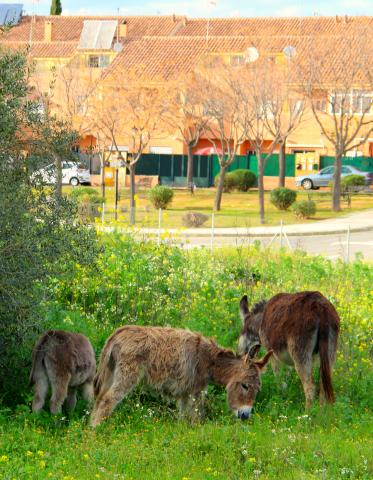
column 72, row 174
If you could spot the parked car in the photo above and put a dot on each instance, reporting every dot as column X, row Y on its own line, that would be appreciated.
column 314, row 181
column 72, row 174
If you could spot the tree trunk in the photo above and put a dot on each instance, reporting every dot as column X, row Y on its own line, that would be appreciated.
column 58, row 165
column 336, row 202
column 102, row 180
column 282, row 164
column 260, row 184
column 190, row 166
column 132, row 194
column 220, row 188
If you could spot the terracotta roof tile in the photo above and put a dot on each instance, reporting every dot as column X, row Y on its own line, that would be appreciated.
column 298, row 26
column 66, row 28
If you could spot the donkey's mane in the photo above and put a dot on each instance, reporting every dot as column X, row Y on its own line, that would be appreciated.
column 259, row 306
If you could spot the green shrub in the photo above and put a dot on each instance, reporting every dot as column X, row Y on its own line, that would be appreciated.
column 160, row 196
column 282, row 197
column 304, row 208
column 229, row 182
column 243, row 179
column 88, row 201
column 194, row 219
column 352, row 181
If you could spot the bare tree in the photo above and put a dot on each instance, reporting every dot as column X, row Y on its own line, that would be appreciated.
column 130, row 110
column 337, row 76
column 184, row 113
column 284, row 109
column 259, row 98
column 229, row 114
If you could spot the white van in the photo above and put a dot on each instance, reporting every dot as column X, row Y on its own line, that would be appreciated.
column 72, row 174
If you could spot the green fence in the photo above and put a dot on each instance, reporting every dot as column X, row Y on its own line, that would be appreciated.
column 363, row 163
column 172, row 169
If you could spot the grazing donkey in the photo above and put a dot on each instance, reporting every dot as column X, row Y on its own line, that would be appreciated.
column 297, row 327
column 67, row 362
column 178, row 363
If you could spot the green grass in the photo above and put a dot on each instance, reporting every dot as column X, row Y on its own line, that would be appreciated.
column 238, row 209
column 159, row 285
column 134, row 446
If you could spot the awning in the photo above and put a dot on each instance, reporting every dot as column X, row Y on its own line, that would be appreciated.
column 208, row 151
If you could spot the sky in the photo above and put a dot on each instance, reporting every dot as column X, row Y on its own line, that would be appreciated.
column 204, row 8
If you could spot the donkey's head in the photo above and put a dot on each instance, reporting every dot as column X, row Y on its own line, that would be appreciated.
column 249, row 341
column 244, row 384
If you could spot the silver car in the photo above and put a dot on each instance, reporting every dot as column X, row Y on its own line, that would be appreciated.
column 314, row 181
column 72, row 173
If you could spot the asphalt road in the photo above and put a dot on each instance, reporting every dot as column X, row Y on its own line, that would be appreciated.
column 331, row 246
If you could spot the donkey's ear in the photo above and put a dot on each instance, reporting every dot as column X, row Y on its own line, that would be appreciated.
column 244, row 308
column 263, row 361
column 254, row 350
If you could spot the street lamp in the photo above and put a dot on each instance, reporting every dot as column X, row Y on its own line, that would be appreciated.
column 117, row 164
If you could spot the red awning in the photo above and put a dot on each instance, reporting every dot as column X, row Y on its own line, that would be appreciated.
column 208, row 151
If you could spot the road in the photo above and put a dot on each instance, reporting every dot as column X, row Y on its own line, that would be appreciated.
column 332, row 246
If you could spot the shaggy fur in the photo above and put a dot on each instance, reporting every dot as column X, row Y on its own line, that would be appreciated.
column 178, row 363
column 297, row 327
column 66, row 362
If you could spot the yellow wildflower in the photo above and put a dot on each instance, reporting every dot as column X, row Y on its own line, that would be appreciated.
column 4, row 458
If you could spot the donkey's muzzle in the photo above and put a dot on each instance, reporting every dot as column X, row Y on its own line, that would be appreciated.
column 244, row 413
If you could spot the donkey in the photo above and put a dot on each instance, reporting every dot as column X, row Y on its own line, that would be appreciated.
column 67, row 362
column 296, row 327
column 177, row 363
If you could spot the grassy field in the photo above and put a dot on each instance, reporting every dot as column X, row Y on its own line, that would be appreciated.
column 238, row 209
column 145, row 284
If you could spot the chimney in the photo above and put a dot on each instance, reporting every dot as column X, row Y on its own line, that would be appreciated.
column 48, row 31
column 123, row 29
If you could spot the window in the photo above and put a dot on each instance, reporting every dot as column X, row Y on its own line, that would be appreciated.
column 98, row 61
column 327, row 171
column 345, row 170
column 354, row 101
column 320, row 105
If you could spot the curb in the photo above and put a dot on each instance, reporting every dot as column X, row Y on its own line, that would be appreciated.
column 247, row 234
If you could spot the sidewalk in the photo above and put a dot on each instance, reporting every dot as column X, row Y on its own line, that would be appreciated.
column 359, row 222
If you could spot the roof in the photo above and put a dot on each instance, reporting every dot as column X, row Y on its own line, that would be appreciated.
column 69, row 28
column 169, row 45
column 273, row 26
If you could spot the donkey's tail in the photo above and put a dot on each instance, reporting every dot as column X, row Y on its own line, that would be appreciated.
column 38, row 355
column 327, row 340
column 105, row 368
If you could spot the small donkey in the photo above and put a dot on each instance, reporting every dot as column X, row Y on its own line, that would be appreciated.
column 67, row 362
column 296, row 327
column 178, row 363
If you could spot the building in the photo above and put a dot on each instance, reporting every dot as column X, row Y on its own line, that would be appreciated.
column 170, row 46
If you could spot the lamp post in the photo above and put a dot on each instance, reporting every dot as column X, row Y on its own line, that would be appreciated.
column 118, row 163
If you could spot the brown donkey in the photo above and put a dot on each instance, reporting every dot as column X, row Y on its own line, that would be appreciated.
column 67, row 362
column 178, row 363
column 297, row 327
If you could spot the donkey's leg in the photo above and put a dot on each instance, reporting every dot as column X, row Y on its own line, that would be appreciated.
column 70, row 401
column 87, row 391
column 126, row 377
column 302, row 358
column 59, row 379
column 41, row 389
column 192, row 406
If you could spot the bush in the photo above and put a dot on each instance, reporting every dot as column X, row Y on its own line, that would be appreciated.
column 194, row 219
column 229, row 183
column 243, row 179
column 88, row 201
column 352, row 181
column 282, row 197
column 304, row 208
column 160, row 196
